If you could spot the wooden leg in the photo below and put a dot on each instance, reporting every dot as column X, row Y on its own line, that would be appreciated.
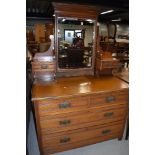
column 127, row 131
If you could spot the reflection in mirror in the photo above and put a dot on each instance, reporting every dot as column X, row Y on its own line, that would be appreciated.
column 75, row 43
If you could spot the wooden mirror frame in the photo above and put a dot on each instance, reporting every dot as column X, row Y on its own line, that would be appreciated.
column 75, row 11
column 109, row 31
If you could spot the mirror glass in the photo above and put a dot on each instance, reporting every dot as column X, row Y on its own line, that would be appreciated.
column 75, row 43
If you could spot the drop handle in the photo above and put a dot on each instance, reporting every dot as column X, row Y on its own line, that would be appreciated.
column 64, row 122
column 65, row 140
column 44, row 66
column 104, row 132
column 64, row 105
column 108, row 114
column 110, row 99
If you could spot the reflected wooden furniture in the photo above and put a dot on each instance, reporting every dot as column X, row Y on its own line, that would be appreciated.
column 71, row 58
column 77, row 111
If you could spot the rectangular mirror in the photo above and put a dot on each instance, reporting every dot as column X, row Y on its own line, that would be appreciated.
column 75, row 43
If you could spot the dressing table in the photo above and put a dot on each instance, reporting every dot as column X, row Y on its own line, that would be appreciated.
column 77, row 108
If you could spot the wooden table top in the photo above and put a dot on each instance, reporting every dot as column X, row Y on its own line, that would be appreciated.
column 69, row 86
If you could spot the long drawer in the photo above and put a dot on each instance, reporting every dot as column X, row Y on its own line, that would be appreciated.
column 67, row 140
column 74, row 120
column 60, row 105
column 108, row 98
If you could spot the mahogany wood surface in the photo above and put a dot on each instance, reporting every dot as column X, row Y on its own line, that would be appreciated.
column 76, row 10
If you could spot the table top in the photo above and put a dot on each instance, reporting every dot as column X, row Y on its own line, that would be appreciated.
column 69, row 86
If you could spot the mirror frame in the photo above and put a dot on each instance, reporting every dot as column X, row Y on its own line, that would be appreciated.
column 71, row 10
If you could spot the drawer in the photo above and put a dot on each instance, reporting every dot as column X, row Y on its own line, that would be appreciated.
column 108, row 64
column 108, row 98
column 58, row 141
column 85, row 118
column 49, row 150
column 43, row 66
column 62, row 105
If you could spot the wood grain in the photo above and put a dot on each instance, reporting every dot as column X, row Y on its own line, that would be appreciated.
column 82, row 85
column 78, row 111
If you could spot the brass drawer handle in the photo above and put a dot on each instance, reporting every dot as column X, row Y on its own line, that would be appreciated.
column 108, row 114
column 104, row 132
column 110, row 99
column 64, row 105
column 44, row 66
column 65, row 140
column 64, row 122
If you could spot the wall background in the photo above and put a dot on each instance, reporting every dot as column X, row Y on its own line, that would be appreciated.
column 122, row 29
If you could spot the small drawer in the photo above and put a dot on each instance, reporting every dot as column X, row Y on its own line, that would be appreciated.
column 85, row 118
column 76, row 136
column 62, row 105
column 109, row 98
column 43, row 66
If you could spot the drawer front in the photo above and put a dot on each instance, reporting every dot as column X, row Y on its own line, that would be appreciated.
column 43, row 67
column 110, row 98
column 62, row 105
column 70, row 121
column 49, row 150
column 68, row 138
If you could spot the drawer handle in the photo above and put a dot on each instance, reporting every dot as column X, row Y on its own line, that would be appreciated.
column 64, row 122
column 44, row 66
column 64, row 105
column 110, row 99
column 65, row 140
column 104, row 132
column 108, row 114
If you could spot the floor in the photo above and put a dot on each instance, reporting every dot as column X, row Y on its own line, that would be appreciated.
column 111, row 147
